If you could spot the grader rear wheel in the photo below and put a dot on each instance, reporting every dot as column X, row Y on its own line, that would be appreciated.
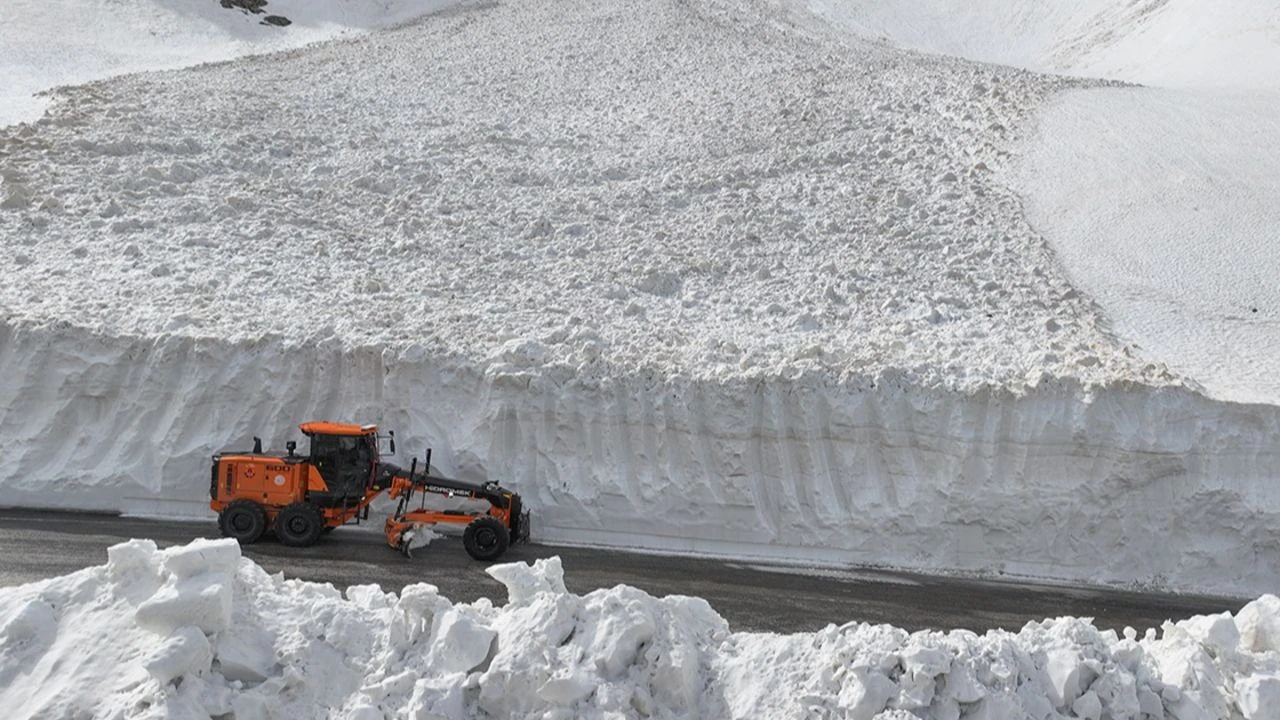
column 299, row 524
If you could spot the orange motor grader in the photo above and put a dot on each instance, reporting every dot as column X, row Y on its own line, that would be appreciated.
column 300, row 497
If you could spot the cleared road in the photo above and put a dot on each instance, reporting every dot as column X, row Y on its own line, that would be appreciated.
column 37, row 545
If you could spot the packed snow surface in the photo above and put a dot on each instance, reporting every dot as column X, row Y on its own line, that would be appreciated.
column 1211, row 44
column 1165, row 206
column 198, row 631
column 49, row 43
column 707, row 276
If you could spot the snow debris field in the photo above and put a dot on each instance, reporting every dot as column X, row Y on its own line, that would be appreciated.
column 758, row 204
column 769, row 280
column 199, row 631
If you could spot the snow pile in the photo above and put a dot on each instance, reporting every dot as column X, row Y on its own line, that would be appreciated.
column 1178, row 43
column 686, row 275
column 198, row 631
column 49, row 43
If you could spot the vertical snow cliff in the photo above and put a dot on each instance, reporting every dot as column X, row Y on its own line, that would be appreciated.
column 1122, row 484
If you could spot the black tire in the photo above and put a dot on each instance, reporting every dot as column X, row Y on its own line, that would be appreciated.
column 486, row 538
column 299, row 524
column 244, row 520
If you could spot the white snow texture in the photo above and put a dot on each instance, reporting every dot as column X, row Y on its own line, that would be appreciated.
column 197, row 631
column 725, row 277
column 49, row 43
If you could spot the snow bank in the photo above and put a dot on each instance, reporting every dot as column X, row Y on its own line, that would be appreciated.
column 198, row 631
column 1167, row 43
column 749, row 290
column 1124, row 484
column 48, row 43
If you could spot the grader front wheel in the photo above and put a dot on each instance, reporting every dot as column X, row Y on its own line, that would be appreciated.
column 486, row 538
column 244, row 520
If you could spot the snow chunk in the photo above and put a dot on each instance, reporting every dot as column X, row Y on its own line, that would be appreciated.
column 567, row 690
column 203, row 601
column 245, row 655
column 1069, row 676
column 1259, row 625
column 186, row 651
column 123, row 559
column 522, row 353
column 1259, row 696
column 460, row 644
column 1087, row 706
column 926, row 661
column 1218, row 633
column 864, row 693
column 622, row 631
column 202, row 556
column 525, row 581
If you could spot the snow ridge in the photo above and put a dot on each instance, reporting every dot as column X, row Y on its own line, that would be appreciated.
column 198, row 631
column 767, row 284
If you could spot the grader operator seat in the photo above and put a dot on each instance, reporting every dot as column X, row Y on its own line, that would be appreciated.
column 345, row 460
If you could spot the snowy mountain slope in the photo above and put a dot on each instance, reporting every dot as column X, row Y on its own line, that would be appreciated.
column 1165, row 207
column 197, row 631
column 688, row 276
column 1159, row 203
column 1204, row 44
column 48, row 43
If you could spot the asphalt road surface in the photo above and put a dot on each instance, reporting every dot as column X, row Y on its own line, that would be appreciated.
column 37, row 545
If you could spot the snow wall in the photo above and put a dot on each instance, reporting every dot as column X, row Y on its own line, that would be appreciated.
column 1122, row 485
